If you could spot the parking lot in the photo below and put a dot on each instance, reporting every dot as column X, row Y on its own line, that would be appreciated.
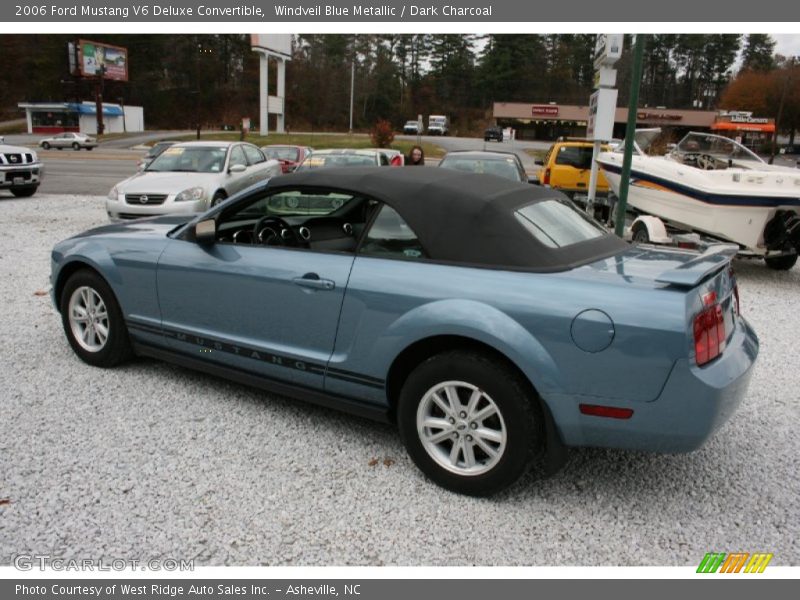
column 155, row 461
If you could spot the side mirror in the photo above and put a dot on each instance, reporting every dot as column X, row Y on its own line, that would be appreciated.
column 205, row 232
column 538, row 161
column 237, row 168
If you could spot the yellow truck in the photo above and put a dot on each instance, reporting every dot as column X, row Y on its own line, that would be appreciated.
column 567, row 166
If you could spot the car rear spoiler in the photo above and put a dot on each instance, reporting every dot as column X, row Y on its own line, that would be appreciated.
column 689, row 274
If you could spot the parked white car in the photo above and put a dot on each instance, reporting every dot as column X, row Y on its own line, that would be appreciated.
column 20, row 170
column 69, row 139
column 188, row 178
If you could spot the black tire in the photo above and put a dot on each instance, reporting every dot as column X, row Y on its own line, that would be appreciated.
column 640, row 235
column 76, row 146
column 24, row 192
column 218, row 198
column 117, row 347
column 516, row 404
column 781, row 263
column 46, row 145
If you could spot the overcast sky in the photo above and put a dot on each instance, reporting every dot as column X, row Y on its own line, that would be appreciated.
column 788, row 44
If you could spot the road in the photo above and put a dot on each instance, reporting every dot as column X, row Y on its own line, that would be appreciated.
column 86, row 173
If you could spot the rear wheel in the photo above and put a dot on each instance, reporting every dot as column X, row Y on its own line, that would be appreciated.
column 24, row 192
column 76, row 146
column 469, row 422
column 640, row 233
column 781, row 263
column 93, row 321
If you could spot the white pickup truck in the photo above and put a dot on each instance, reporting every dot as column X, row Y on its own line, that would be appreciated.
column 20, row 170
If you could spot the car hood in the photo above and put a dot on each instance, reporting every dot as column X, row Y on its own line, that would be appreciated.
column 152, row 226
column 9, row 149
column 150, row 182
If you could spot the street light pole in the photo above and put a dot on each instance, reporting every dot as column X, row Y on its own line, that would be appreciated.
column 780, row 110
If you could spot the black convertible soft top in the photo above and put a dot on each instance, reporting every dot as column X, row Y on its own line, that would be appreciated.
column 461, row 217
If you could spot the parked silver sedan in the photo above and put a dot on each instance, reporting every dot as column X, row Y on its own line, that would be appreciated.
column 188, row 178
column 69, row 139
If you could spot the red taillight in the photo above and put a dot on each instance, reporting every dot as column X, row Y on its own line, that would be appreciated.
column 546, row 177
column 610, row 412
column 709, row 330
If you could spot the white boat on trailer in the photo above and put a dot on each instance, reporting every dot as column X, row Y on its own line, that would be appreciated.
column 713, row 186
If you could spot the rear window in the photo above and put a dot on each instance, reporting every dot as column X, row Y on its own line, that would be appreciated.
column 557, row 224
column 579, row 157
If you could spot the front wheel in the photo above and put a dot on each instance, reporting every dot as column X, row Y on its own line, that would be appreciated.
column 93, row 321
column 781, row 263
column 76, row 146
column 469, row 422
column 218, row 198
column 46, row 145
column 24, row 192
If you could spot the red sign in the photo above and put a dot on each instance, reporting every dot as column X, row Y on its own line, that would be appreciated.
column 548, row 110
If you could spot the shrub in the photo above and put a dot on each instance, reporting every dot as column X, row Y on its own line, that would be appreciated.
column 382, row 134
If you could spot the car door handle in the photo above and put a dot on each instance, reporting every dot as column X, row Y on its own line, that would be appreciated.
column 313, row 281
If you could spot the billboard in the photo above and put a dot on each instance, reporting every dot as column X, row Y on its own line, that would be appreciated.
column 278, row 43
column 95, row 58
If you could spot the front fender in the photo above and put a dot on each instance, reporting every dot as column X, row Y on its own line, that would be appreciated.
column 128, row 266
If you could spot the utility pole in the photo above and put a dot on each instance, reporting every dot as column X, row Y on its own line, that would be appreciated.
column 633, row 103
column 352, row 89
column 98, row 99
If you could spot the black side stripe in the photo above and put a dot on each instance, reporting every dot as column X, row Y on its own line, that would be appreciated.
column 216, row 345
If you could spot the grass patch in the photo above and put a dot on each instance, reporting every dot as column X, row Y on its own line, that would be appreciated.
column 18, row 126
column 322, row 140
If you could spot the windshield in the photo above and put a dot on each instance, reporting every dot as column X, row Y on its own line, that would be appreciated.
column 285, row 153
column 190, row 159
column 505, row 167
column 324, row 161
column 715, row 146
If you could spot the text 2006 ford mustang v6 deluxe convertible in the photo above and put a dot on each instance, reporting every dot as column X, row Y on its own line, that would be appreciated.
column 492, row 320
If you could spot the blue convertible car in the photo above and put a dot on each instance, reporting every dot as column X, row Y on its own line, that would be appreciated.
column 491, row 320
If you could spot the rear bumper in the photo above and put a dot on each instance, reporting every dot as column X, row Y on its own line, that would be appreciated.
column 693, row 404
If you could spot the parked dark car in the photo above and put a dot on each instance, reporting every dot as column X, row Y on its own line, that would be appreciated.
column 493, row 134
column 492, row 321
column 501, row 164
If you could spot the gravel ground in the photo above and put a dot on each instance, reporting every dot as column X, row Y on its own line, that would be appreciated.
column 151, row 460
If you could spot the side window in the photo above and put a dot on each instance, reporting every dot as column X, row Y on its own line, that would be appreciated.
column 237, row 156
column 384, row 160
column 391, row 237
column 254, row 155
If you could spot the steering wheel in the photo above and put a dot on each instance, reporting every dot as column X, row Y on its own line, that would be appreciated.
column 707, row 162
column 274, row 231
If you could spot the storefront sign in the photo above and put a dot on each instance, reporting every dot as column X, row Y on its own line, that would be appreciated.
column 546, row 110
column 658, row 116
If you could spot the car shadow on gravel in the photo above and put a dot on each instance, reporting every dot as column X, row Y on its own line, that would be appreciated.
column 589, row 473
